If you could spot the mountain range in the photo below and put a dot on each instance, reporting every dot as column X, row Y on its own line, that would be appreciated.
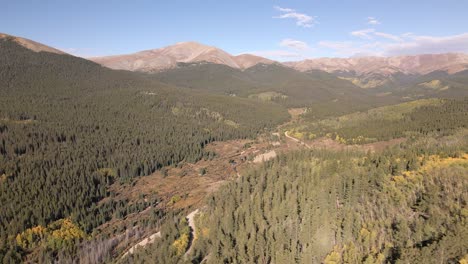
column 197, row 66
column 415, row 64
column 187, row 52
column 365, row 72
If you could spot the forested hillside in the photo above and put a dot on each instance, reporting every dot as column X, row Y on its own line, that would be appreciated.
column 402, row 206
column 405, row 205
column 439, row 84
column 268, row 82
column 330, row 93
column 95, row 161
column 69, row 128
column 416, row 118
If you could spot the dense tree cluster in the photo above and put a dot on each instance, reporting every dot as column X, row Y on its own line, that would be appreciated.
column 313, row 207
column 436, row 116
column 291, row 88
column 405, row 205
column 69, row 128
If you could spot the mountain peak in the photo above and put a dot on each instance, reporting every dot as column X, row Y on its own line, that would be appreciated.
column 167, row 57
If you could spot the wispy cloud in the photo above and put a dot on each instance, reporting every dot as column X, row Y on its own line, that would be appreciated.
column 290, row 49
column 388, row 36
column 405, row 44
column 407, row 34
column 286, row 10
column 372, row 21
column 370, row 33
column 294, row 44
column 429, row 44
column 363, row 33
column 302, row 20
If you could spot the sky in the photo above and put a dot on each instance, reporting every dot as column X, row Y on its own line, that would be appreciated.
column 280, row 30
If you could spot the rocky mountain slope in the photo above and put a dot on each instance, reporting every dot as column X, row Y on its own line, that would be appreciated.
column 187, row 52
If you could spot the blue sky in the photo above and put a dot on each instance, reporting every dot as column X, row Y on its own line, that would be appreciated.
column 282, row 30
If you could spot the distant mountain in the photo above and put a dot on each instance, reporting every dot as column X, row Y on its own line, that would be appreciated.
column 166, row 58
column 29, row 44
column 201, row 67
column 417, row 64
column 365, row 72
column 372, row 72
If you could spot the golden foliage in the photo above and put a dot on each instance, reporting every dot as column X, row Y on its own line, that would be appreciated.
column 55, row 235
column 431, row 162
column 334, row 257
column 174, row 199
column 464, row 260
column 181, row 244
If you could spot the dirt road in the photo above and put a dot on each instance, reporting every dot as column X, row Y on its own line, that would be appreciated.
column 143, row 243
column 191, row 223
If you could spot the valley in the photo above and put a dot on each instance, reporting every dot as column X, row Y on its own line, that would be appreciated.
column 233, row 159
column 188, row 154
column 185, row 187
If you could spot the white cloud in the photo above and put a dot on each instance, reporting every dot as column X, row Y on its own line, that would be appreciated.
column 294, row 44
column 372, row 21
column 407, row 34
column 302, row 20
column 288, row 10
column 388, row 36
column 291, row 49
column 429, row 44
column 394, row 45
column 363, row 33
column 370, row 33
